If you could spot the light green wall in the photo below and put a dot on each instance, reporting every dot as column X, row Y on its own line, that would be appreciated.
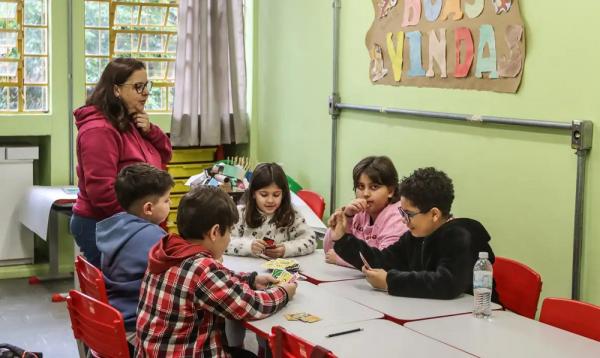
column 519, row 183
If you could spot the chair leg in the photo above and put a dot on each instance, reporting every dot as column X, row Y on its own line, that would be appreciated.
column 81, row 349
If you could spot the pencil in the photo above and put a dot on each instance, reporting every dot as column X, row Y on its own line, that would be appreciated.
column 343, row 332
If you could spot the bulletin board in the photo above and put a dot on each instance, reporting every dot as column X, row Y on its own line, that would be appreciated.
column 465, row 44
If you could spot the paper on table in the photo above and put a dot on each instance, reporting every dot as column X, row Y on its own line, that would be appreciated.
column 312, row 219
column 36, row 205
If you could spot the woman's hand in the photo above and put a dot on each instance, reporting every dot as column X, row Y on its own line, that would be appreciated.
column 257, row 247
column 330, row 257
column 276, row 252
column 355, row 207
column 376, row 277
column 262, row 282
column 142, row 122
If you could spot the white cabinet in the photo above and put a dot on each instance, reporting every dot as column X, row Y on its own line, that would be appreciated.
column 16, row 177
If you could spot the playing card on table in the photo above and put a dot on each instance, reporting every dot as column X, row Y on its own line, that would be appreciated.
column 310, row 318
column 295, row 316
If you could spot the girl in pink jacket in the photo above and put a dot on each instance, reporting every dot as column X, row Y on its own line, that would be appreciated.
column 373, row 216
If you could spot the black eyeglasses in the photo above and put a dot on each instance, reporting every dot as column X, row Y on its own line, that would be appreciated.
column 408, row 215
column 139, row 87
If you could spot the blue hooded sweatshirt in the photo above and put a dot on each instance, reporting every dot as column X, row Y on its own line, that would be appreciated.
column 124, row 241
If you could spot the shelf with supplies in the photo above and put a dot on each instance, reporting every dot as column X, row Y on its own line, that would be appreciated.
column 185, row 163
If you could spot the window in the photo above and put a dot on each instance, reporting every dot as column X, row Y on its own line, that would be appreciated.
column 142, row 29
column 23, row 55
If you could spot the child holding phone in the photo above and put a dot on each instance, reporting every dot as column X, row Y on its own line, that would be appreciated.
column 268, row 223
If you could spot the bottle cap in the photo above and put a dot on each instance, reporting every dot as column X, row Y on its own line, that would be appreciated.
column 483, row 255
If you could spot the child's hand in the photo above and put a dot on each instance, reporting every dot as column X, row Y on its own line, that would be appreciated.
column 333, row 218
column 355, row 207
column 262, row 282
column 257, row 247
column 276, row 252
column 290, row 288
column 330, row 257
column 376, row 277
column 338, row 231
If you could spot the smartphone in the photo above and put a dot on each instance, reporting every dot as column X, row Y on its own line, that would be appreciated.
column 364, row 261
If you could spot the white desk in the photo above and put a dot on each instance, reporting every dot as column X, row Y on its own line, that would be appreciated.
column 312, row 266
column 379, row 338
column 315, row 300
column 400, row 309
column 506, row 335
column 315, row 268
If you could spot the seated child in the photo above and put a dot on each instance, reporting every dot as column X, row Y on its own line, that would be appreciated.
column 373, row 216
column 125, row 238
column 268, row 224
column 435, row 258
column 187, row 293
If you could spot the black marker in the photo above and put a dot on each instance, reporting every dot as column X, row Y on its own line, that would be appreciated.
column 344, row 332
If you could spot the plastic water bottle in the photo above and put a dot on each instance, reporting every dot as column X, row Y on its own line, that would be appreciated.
column 482, row 286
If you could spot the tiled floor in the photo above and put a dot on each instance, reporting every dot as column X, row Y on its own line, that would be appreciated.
column 28, row 318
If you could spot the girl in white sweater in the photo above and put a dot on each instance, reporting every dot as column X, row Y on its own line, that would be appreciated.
column 268, row 223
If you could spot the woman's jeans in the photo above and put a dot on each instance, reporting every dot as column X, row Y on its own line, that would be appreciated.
column 84, row 231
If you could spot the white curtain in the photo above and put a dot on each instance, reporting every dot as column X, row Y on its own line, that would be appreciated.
column 210, row 74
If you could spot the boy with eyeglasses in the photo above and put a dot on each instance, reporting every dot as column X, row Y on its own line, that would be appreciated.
column 435, row 258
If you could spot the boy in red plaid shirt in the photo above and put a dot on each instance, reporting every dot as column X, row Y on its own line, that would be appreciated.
column 187, row 293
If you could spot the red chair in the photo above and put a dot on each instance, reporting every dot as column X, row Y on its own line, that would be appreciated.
column 314, row 201
column 518, row 286
column 287, row 345
column 574, row 316
column 98, row 325
column 91, row 281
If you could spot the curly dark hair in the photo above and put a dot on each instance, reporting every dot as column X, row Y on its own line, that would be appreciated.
column 428, row 188
column 115, row 73
column 380, row 170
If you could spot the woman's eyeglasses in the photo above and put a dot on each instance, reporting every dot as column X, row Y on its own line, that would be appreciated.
column 139, row 87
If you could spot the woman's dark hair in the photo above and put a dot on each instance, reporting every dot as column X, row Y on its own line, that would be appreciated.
column 264, row 175
column 202, row 208
column 428, row 188
column 139, row 181
column 381, row 171
column 116, row 73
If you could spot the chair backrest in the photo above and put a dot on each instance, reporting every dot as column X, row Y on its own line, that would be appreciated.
column 98, row 325
column 314, row 201
column 287, row 345
column 574, row 316
column 91, row 281
column 518, row 286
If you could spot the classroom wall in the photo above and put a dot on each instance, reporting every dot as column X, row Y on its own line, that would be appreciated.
column 519, row 183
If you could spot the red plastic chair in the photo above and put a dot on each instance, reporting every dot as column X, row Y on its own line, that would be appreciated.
column 574, row 316
column 91, row 281
column 98, row 325
column 287, row 345
column 314, row 201
column 518, row 286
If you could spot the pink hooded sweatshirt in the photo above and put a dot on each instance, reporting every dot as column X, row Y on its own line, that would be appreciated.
column 102, row 151
column 386, row 230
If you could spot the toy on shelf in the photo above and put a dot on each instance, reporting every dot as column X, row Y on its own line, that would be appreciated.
column 231, row 175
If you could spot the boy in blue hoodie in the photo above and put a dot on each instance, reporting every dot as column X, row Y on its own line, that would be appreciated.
column 125, row 238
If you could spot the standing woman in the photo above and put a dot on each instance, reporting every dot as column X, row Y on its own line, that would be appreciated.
column 114, row 131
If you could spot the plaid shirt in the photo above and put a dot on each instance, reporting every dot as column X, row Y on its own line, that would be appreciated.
column 182, row 311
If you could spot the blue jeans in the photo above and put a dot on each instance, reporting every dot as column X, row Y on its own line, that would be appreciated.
column 84, row 231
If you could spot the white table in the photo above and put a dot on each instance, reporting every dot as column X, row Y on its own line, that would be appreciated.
column 312, row 266
column 379, row 338
column 319, row 302
column 401, row 309
column 506, row 334
column 315, row 268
